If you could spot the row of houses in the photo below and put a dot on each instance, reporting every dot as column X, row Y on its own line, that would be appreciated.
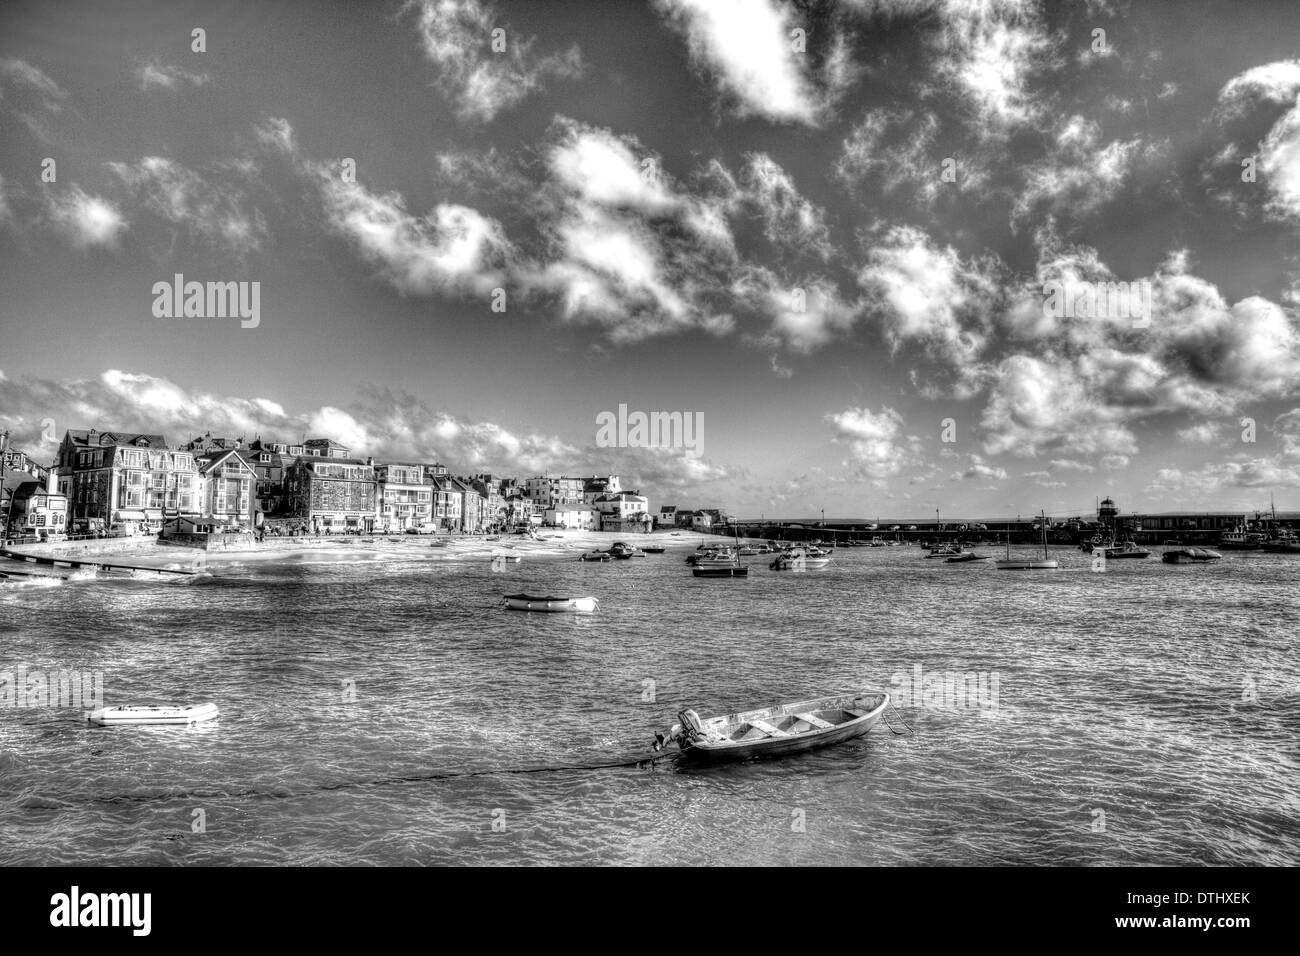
column 135, row 483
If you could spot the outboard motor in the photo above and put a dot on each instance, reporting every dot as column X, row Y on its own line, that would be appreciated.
column 691, row 728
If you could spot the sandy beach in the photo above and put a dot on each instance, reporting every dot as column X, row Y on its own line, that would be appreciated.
column 551, row 544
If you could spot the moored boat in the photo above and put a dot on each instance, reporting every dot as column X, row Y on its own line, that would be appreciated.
column 774, row 731
column 137, row 715
column 799, row 560
column 653, row 549
column 730, row 571
column 528, row 602
column 966, row 556
column 1028, row 564
column 1129, row 549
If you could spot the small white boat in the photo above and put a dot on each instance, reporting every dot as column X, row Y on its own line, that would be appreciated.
column 528, row 602
column 799, row 560
column 117, row 716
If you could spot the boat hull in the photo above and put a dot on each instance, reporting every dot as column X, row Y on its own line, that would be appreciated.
column 138, row 716
column 1191, row 556
column 741, row 572
column 731, row 751
column 551, row 605
column 1014, row 565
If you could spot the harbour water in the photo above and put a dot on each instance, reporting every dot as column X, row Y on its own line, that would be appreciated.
column 1148, row 715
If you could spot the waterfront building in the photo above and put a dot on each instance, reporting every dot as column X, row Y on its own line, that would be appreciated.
column 331, row 494
column 576, row 517
column 226, row 484
column 597, row 487
column 270, row 461
column 495, row 509
column 521, row 509
column 35, row 510
column 124, row 482
column 550, row 492
column 667, row 517
column 624, row 511
column 404, row 500
column 447, row 501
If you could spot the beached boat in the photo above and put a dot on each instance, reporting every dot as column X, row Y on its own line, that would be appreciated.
column 730, row 571
column 622, row 550
column 1190, row 556
column 774, row 731
column 595, row 556
column 555, row 605
column 134, row 715
column 652, row 549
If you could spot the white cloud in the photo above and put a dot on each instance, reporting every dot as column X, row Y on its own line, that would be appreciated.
column 1202, row 433
column 84, row 220
column 990, row 49
column 873, row 440
column 23, row 73
column 215, row 212
column 926, row 294
column 479, row 81
column 155, row 74
column 748, row 46
column 1276, row 84
column 790, row 220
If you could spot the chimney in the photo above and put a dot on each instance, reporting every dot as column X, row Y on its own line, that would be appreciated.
column 52, row 482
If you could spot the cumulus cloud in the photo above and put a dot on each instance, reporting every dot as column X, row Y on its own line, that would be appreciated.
column 84, row 220
column 990, row 50
column 874, row 440
column 977, row 467
column 1273, row 84
column 926, row 294
column 749, row 48
column 478, row 81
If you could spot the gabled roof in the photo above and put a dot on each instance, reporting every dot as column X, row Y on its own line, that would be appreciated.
column 210, row 460
column 94, row 438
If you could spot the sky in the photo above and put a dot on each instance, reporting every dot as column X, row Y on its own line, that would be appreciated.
column 835, row 234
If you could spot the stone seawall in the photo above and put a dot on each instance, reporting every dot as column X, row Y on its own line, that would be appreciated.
column 75, row 549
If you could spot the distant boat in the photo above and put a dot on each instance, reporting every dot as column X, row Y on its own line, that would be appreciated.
column 800, row 560
column 968, row 556
column 1028, row 564
column 527, row 602
column 652, row 549
column 730, row 571
column 774, row 731
column 1283, row 542
column 1128, row 549
column 1239, row 539
column 721, row 558
column 595, row 556
column 945, row 551
column 624, row 551
column 1190, row 556
column 136, row 715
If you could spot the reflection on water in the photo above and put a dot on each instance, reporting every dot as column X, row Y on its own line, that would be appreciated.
column 1145, row 715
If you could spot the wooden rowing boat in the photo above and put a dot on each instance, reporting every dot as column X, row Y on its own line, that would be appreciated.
column 137, row 715
column 527, row 602
column 774, row 731
column 731, row 571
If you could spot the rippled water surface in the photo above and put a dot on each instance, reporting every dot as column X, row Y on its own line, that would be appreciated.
column 1149, row 715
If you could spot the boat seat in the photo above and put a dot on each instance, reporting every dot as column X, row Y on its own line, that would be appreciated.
column 815, row 720
column 767, row 728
